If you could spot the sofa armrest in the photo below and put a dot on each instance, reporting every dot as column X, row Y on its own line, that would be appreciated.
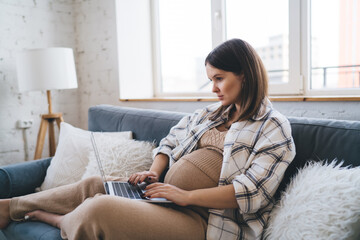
column 22, row 178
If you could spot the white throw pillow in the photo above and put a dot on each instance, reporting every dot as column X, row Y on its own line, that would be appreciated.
column 120, row 157
column 71, row 156
column 321, row 202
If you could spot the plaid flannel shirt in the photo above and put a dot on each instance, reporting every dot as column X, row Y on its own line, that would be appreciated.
column 256, row 154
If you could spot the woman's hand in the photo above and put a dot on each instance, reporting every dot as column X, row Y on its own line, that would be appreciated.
column 148, row 176
column 170, row 192
column 161, row 161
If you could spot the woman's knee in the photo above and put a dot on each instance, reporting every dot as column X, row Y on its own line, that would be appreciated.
column 93, row 219
column 92, row 180
column 91, row 211
column 98, row 206
column 93, row 184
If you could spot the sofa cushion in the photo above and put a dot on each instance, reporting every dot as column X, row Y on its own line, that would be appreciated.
column 321, row 202
column 22, row 178
column 71, row 157
column 119, row 157
column 31, row 231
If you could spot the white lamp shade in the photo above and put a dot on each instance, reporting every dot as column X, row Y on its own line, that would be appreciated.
column 46, row 69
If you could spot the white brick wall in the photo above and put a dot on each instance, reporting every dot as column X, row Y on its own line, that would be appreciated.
column 97, row 54
column 89, row 27
column 31, row 24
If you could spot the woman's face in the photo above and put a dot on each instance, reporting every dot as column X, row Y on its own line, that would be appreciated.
column 226, row 85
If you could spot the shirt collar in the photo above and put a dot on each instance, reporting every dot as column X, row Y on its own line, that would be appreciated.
column 265, row 108
column 225, row 115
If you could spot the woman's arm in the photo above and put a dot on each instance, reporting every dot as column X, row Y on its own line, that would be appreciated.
column 161, row 162
column 270, row 156
column 217, row 197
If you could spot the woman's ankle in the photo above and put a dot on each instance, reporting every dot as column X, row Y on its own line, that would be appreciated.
column 4, row 213
column 46, row 217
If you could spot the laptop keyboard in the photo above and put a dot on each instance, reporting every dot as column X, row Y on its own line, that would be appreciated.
column 127, row 190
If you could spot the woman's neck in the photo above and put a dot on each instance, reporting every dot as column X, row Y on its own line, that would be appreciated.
column 234, row 113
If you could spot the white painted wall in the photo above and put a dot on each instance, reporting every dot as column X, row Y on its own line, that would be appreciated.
column 89, row 27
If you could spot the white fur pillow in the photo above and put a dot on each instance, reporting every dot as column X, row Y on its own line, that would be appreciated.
column 321, row 202
column 71, row 156
column 120, row 157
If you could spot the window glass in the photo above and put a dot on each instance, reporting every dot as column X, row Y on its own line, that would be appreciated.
column 266, row 30
column 185, row 41
column 335, row 44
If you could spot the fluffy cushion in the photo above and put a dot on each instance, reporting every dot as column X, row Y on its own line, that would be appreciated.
column 120, row 157
column 321, row 202
column 71, row 156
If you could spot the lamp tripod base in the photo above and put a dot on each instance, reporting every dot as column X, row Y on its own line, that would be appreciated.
column 47, row 120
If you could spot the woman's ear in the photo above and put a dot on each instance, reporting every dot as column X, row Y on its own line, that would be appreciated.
column 242, row 78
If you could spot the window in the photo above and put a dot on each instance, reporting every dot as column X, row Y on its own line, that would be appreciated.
column 270, row 37
column 305, row 49
column 183, row 45
column 267, row 32
column 335, row 44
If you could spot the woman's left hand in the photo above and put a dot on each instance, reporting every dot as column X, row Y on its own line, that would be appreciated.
column 170, row 192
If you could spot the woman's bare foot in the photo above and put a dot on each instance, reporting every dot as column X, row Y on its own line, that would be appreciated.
column 4, row 213
column 46, row 217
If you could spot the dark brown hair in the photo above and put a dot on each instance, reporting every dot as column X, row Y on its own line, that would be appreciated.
column 239, row 57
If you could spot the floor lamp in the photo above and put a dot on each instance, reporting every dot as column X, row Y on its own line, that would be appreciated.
column 46, row 69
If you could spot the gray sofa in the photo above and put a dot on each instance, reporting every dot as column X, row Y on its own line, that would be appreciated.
column 315, row 139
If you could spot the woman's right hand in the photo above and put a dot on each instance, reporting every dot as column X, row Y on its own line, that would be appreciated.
column 139, row 177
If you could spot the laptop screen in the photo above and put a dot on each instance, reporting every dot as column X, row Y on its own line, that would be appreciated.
column 97, row 156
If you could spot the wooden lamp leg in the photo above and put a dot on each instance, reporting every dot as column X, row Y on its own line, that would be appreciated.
column 59, row 120
column 47, row 120
column 41, row 138
column 52, row 146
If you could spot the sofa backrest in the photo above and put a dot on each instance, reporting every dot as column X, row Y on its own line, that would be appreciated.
column 146, row 125
column 315, row 139
column 323, row 140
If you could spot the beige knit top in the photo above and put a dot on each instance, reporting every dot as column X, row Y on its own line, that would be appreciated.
column 201, row 168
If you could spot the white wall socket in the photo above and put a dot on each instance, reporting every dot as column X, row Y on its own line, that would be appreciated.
column 25, row 123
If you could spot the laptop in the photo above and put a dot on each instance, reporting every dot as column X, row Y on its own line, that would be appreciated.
column 123, row 189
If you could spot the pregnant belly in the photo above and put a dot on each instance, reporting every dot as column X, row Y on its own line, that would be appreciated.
column 199, row 169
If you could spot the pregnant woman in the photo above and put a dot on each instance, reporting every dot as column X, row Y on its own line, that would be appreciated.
column 225, row 163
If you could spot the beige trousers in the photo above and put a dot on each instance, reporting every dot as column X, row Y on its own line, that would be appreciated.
column 89, row 214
